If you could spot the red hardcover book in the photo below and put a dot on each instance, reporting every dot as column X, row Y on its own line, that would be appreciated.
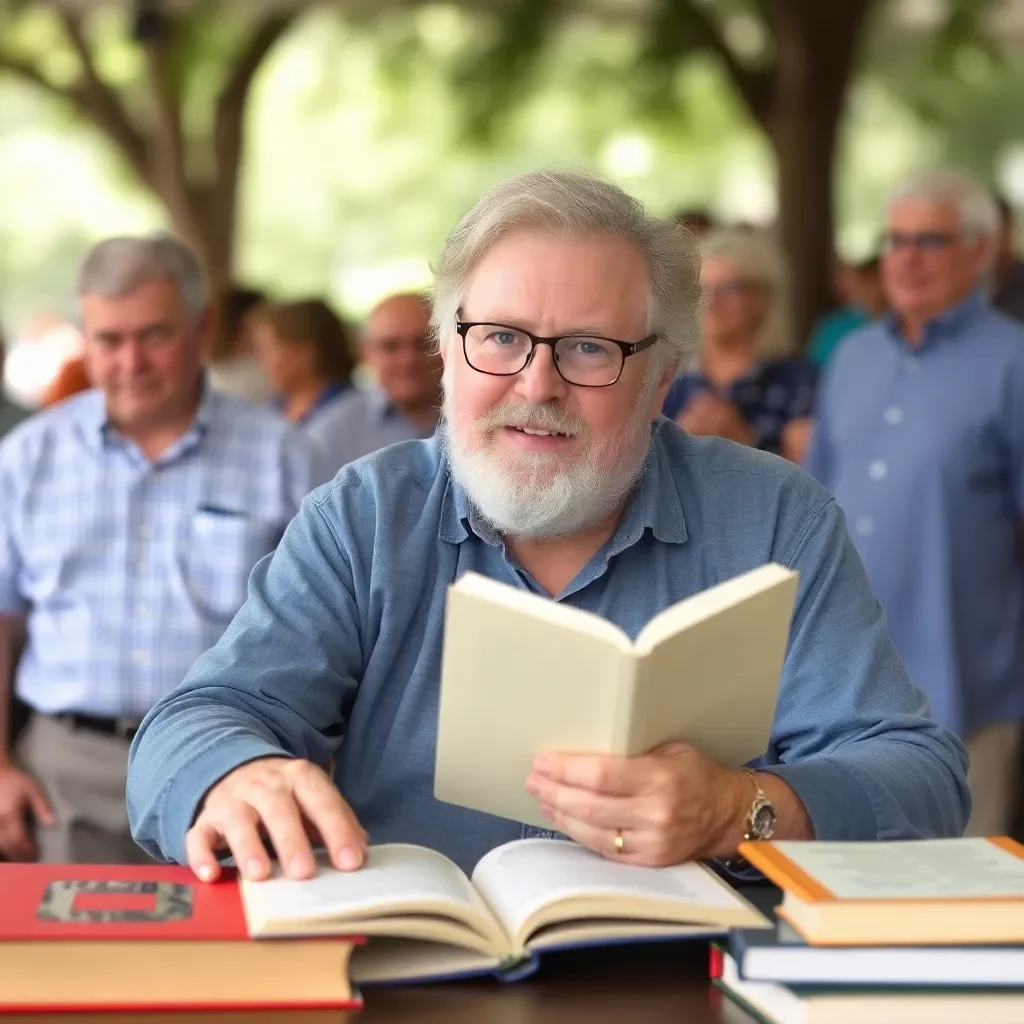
column 87, row 938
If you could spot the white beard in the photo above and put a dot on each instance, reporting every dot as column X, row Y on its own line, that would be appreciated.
column 530, row 495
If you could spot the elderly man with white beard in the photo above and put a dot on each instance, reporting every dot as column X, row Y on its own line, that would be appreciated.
column 562, row 311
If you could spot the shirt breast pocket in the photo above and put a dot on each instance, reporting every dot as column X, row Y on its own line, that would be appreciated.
column 220, row 550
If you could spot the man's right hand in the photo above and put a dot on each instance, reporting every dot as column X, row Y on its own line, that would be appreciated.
column 287, row 800
column 19, row 794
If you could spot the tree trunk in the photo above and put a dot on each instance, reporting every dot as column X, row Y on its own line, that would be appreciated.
column 816, row 44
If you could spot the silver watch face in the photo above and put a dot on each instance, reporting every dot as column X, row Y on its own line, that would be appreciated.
column 762, row 823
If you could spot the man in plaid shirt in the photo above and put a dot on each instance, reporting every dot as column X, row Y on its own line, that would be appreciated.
column 130, row 519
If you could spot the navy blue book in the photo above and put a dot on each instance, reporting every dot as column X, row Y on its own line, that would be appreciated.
column 779, row 955
column 425, row 920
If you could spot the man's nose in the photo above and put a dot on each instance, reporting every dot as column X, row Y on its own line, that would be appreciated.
column 133, row 357
column 539, row 381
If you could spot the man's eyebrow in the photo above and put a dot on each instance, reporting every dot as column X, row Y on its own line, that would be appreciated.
column 590, row 330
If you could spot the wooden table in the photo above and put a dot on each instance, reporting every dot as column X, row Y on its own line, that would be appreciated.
column 653, row 984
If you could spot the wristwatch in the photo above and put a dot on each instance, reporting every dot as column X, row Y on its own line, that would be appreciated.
column 760, row 821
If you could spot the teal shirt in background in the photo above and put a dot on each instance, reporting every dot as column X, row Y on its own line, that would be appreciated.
column 831, row 329
column 337, row 651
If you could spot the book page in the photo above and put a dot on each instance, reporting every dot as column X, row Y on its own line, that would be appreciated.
column 919, row 869
column 521, row 879
column 515, row 685
column 396, row 878
column 713, row 681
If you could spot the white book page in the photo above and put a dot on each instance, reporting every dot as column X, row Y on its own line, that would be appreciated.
column 521, row 878
column 395, row 877
column 920, row 869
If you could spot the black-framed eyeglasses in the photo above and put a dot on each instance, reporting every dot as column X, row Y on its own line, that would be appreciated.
column 580, row 359
column 925, row 241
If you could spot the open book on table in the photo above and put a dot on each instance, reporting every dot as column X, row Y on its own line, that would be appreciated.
column 426, row 920
column 522, row 675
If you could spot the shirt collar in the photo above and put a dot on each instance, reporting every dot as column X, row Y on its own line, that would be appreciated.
column 947, row 324
column 655, row 504
column 98, row 430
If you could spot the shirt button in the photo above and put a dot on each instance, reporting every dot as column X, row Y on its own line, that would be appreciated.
column 894, row 415
column 142, row 611
column 878, row 470
column 865, row 526
column 913, row 366
column 145, row 533
column 141, row 657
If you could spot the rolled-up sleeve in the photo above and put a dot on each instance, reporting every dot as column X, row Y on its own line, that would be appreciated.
column 852, row 735
column 279, row 682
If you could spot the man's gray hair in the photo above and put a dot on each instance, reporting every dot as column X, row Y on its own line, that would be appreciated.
column 579, row 205
column 117, row 266
column 975, row 205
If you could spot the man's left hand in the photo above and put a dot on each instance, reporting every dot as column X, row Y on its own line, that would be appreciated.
column 672, row 805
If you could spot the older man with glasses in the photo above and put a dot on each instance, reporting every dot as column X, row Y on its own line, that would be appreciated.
column 920, row 436
column 563, row 312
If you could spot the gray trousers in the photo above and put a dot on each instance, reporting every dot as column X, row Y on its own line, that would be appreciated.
column 83, row 775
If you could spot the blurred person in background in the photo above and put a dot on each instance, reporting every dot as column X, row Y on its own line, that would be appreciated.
column 920, row 436
column 397, row 348
column 130, row 518
column 858, row 287
column 697, row 220
column 1008, row 267
column 233, row 367
column 71, row 378
column 11, row 414
column 307, row 356
column 744, row 385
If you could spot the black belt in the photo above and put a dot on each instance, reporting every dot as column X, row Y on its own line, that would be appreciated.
column 123, row 728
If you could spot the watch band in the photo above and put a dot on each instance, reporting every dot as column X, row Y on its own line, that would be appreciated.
column 760, row 802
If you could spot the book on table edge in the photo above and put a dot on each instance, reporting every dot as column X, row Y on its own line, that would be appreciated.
column 780, row 955
column 922, row 892
column 110, row 938
column 830, row 1004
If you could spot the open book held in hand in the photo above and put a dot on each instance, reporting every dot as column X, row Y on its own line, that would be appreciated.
column 523, row 675
column 427, row 920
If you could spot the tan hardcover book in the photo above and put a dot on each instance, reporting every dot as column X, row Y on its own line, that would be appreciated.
column 924, row 892
column 523, row 675
column 426, row 920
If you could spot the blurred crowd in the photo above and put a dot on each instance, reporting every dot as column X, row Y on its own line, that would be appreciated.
column 170, row 453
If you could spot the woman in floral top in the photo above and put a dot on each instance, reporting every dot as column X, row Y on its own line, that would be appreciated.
column 743, row 383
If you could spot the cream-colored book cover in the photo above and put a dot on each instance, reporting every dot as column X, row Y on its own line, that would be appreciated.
column 523, row 675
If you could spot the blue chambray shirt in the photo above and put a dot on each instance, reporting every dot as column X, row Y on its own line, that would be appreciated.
column 128, row 570
column 924, row 449
column 337, row 650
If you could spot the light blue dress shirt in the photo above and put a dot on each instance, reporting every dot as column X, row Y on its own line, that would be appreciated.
column 924, row 449
column 357, row 424
column 340, row 640
column 129, row 569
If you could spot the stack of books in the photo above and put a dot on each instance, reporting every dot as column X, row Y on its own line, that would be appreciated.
column 893, row 933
